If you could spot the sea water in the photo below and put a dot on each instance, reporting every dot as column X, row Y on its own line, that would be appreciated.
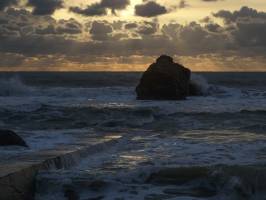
column 206, row 147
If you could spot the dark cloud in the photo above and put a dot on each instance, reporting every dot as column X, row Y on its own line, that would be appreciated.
column 43, row 36
column 195, row 39
column 131, row 25
column 245, row 13
column 50, row 29
column 150, row 9
column 213, row 27
column 115, row 4
column 5, row 3
column 148, row 28
column 100, row 30
column 118, row 25
column 250, row 34
column 21, row 23
column 186, row 40
column 69, row 27
column 141, row 29
column 98, row 9
column 65, row 27
column 246, row 26
column 45, row 7
column 92, row 10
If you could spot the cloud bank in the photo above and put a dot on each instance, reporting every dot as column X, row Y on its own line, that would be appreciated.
column 33, row 37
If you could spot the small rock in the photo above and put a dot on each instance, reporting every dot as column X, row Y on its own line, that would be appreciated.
column 10, row 138
column 71, row 194
column 178, row 175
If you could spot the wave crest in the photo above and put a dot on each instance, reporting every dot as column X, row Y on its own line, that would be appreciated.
column 199, row 86
column 13, row 87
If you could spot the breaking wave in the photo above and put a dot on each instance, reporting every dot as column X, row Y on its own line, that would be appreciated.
column 111, row 107
column 200, row 83
column 190, row 182
column 13, row 87
column 202, row 86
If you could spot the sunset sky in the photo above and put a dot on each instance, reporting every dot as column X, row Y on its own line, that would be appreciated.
column 204, row 35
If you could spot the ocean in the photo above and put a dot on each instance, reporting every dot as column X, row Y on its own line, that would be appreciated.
column 205, row 147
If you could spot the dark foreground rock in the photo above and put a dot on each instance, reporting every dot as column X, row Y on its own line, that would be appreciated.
column 164, row 80
column 9, row 138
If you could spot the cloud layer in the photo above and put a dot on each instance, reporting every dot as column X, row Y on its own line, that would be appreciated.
column 150, row 9
column 6, row 3
column 31, row 36
column 45, row 7
column 98, row 9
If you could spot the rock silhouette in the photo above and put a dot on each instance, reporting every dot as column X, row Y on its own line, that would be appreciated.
column 10, row 138
column 164, row 80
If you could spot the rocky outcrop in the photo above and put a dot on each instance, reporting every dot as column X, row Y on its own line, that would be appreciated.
column 164, row 80
column 10, row 138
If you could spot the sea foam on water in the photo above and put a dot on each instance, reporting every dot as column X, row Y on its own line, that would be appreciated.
column 221, row 132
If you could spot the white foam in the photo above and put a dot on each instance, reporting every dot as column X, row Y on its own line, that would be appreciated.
column 201, row 83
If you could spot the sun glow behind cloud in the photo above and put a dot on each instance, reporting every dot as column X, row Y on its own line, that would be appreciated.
column 195, row 11
column 121, row 40
column 129, row 12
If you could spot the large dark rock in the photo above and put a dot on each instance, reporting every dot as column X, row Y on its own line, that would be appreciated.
column 164, row 80
column 9, row 138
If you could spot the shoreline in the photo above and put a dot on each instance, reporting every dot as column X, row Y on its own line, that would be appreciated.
column 17, row 178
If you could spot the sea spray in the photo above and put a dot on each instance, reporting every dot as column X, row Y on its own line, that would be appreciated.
column 200, row 84
column 13, row 87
